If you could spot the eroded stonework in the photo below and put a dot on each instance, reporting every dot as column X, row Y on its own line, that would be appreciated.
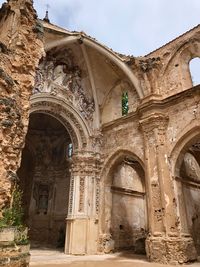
column 21, row 49
column 94, row 177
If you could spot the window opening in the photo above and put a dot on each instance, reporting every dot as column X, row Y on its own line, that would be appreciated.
column 125, row 106
column 70, row 150
column 194, row 70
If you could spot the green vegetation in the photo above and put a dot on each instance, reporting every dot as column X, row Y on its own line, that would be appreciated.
column 13, row 217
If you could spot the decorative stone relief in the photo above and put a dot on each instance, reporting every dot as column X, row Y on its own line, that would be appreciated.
column 71, row 193
column 149, row 64
column 82, row 194
column 97, row 200
column 58, row 75
column 55, row 110
column 97, row 141
column 149, row 124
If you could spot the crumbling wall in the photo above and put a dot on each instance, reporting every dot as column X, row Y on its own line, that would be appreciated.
column 128, row 215
column 166, row 71
column 21, row 47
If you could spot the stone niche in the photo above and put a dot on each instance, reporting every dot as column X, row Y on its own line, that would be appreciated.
column 128, row 215
column 45, row 178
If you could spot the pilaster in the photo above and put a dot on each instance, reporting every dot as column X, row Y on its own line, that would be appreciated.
column 83, row 205
column 165, row 243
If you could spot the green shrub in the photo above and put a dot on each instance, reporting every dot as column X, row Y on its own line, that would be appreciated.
column 13, row 215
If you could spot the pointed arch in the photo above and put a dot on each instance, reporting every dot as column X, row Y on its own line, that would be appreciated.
column 77, row 37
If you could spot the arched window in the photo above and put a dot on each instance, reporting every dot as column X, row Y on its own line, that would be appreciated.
column 195, row 70
column 125, row 106
column 70, row 150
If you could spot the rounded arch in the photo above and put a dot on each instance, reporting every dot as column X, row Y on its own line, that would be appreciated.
column 77, row 37
column 188, row 137
column 66, row 114
column 106, row 180
column 116, row 158
column 187, row 50
column 123, row 203
column 194, row 66
column 184, row 160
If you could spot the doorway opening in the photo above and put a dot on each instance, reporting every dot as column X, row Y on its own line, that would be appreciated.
column 45, row 180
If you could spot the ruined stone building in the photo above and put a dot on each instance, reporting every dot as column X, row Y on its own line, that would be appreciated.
column 106, row 147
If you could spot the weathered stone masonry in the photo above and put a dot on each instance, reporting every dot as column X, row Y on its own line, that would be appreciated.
column 21, row 47
column 130, row 178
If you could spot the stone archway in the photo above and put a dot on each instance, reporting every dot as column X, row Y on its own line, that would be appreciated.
column 64, row 112
column 74, row 131
column 45, row 179
column 187, row 180
column 124, row 212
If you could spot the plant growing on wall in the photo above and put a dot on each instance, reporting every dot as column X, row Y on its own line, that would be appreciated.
column 12, row 217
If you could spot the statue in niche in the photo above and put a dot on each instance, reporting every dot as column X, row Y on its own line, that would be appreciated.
column 43, row 200
column 42, row 193
column 59, row 75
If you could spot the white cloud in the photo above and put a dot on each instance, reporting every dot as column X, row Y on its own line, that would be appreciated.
column 128, row 26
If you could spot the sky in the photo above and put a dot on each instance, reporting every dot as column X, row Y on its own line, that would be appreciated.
column 131, row 27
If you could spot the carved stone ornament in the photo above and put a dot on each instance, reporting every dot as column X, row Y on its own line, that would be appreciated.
column 149, row 64
column 55, row 110
column 58, row 75
column 82, row 194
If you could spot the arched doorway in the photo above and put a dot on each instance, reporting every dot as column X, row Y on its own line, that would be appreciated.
column 45, row 179
column 125, row 218
column 187, row 172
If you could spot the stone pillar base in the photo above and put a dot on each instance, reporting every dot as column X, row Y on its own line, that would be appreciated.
column 81, row 236
column 170, row 250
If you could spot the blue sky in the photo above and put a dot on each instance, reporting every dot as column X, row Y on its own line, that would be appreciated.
column 131, row 27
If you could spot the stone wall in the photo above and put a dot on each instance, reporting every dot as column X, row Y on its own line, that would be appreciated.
column 21, row 47
column 81, row 83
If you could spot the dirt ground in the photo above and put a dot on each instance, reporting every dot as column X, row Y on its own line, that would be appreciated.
column 52, row 258
column 103, row 264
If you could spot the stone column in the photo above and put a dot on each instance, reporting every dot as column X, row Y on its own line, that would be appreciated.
column 82, row 222
column 165, row 243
